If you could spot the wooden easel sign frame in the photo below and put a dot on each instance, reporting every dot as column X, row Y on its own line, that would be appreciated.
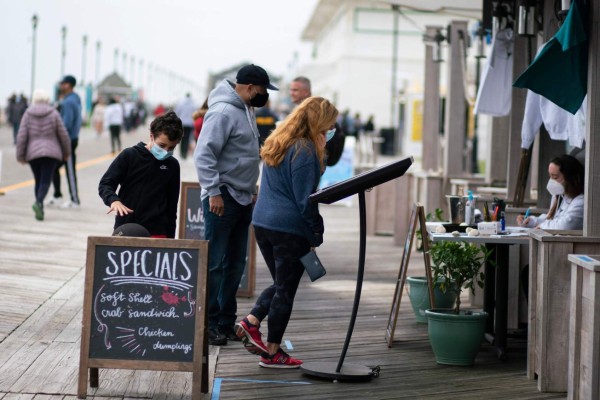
column 191, row 226
column 418, row 212
column 144, row 308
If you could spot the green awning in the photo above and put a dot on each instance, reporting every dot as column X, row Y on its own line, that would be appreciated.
column 559, row 72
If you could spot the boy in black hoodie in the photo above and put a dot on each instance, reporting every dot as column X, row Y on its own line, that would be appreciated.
column 149, row 180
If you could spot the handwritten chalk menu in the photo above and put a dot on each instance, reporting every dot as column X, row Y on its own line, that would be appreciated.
column 191, row 226
column 144, row 305
column 191, row 220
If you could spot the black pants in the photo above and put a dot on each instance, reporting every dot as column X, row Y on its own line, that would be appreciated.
column 282, row 252
column 185, row 141
column 43, row 169
column 71, row 175
column 115, row 137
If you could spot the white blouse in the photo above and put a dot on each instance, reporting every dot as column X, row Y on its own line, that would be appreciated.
column 569, row 215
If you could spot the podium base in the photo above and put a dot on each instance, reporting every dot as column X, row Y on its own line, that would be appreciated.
column 348, row 372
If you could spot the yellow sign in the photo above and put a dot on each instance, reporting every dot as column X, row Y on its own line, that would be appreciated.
column 417, row 121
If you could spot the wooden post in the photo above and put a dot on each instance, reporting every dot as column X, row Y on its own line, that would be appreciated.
column 431, row 107
column 591, row 217
column 584, row 343
column 548, row 148
column 517, row 111
column 497, row 161
column 456, row 105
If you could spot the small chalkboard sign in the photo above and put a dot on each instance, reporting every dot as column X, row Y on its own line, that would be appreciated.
column 144, row 308
column 418, row 212
column 191, row 226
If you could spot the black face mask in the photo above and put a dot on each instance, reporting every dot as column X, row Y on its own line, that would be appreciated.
column 259, row 100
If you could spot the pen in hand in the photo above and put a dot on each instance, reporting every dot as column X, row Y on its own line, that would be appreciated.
column 523, row 221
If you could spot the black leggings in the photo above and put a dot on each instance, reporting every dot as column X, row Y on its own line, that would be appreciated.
column 71, row 174
column 282, row 252
column 43, row 169
column 115, row 137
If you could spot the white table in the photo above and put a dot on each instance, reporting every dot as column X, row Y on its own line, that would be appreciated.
column 495, row 297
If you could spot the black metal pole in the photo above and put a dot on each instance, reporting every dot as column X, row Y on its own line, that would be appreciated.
column 359, row 277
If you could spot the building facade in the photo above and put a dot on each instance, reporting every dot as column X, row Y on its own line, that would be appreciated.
column 368, row 57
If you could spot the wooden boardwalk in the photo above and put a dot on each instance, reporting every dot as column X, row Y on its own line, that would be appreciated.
column 41, row 287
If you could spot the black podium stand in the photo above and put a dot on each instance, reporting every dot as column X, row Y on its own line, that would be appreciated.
column 355, row 185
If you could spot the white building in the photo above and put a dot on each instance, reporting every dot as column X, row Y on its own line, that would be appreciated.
column 353, row 56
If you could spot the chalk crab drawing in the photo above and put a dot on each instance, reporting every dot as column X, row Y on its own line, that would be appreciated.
column 171, row 298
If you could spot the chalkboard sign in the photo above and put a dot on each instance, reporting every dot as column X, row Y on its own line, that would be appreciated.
column 418, row 213
column 144, row 306
column 191, row 226
column 191, row 220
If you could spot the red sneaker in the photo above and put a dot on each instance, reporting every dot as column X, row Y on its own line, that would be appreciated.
column 279, row 360
column 251, row 337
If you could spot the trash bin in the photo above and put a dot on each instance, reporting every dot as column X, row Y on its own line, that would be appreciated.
column 388, row 145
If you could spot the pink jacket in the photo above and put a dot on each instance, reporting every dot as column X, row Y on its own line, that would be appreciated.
column 42, row 134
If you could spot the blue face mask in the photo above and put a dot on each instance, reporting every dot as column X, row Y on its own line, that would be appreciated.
column 159, row 153
column 329, row 134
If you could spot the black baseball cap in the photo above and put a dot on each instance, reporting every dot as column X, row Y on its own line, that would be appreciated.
column 132, row 230
column 255, row 75
column 70, row 79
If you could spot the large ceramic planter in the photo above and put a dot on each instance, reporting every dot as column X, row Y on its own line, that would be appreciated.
column 456, row 338
column 418, row 293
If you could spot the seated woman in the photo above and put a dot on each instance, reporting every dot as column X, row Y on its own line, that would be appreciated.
column 566, row 187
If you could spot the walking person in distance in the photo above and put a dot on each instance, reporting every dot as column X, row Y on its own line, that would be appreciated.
column 42, row 141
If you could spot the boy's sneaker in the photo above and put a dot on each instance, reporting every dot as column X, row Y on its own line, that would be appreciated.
column 70, row 204
column 251, row 337
column 38, row 210
column 281, row 359
column 53, row 201
column 229, row 333
column 216, row 338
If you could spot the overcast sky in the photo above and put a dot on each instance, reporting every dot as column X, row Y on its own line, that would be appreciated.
column 188, row 37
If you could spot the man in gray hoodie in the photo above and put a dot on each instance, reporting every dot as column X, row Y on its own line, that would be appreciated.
column 227, row 163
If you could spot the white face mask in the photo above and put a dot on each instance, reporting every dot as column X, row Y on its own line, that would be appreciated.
column 555, row 188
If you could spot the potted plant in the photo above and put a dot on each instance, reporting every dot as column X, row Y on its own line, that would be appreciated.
column 418, row 294
column 456, row 334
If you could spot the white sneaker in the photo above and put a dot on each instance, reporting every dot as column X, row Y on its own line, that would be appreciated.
column 70, row 204
column 53, row 201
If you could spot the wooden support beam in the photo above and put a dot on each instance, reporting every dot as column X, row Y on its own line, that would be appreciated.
column 456, row 105
column 431, row 108
column 496, row 169
column 517, row 111
column 591, row 218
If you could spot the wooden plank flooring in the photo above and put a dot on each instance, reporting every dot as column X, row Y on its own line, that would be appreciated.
column 41, row 286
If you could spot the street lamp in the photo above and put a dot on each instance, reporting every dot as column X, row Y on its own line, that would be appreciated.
column 34, row 22
column 116, row 61
column 132, row 71
column 98, row 48
column 64, row 50
column 124, row 66
column 83, row 59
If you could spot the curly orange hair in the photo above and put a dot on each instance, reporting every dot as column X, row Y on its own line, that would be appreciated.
column 313, row 117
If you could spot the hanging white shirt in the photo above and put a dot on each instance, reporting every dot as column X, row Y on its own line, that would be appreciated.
column 495, row 90
column 560, row 124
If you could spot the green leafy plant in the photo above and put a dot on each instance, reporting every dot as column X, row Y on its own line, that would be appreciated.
column 458, row 262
